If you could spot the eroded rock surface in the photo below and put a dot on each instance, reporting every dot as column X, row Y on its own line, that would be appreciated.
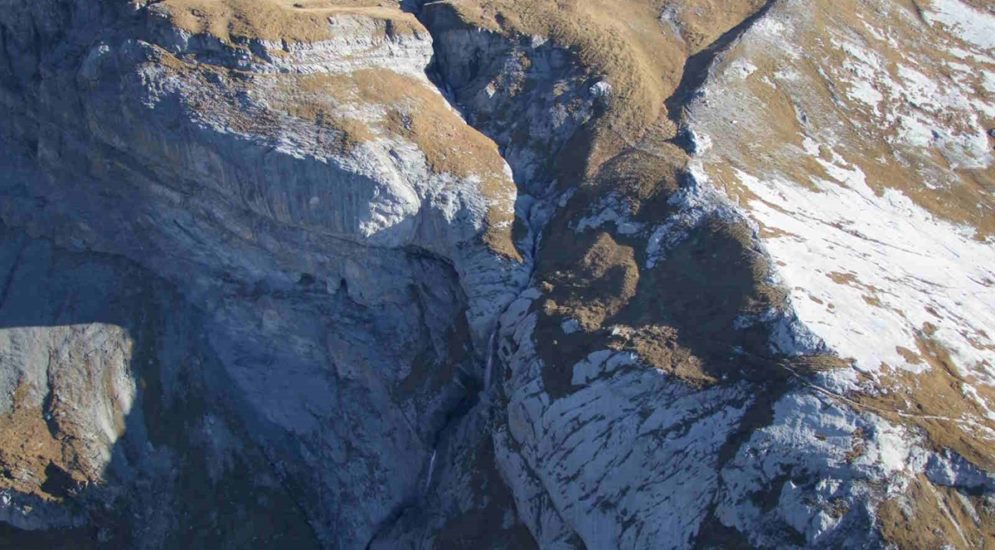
column 496, row 273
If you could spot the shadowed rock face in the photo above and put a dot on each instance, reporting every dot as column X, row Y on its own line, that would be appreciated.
column 494, row 273
column 329, row 281
column 110, row 438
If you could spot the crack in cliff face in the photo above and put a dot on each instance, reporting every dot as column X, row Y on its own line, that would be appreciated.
column 461, row 94
column 461, row 85
column 698, row 334
column 531, row 161
column 477, row 404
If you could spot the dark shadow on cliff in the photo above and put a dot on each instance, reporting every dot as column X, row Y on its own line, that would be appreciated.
column 175, row 478
column 696, row 312
column 541, row 153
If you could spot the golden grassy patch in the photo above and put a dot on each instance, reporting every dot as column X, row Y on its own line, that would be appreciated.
column 702, row 21
column 275, row 20
column 934, row 401
column 450, row 145
column 304, row 97
column 416, row 112
column 29, row 450
column 600, row 286
column 355, row 132
column 678, row 316
column 658, row 346
column 928, row 516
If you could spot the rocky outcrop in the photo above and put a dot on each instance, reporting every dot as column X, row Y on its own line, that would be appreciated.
column 597, row 448
column 341, row 274
column 111, row 438
column 346, row 276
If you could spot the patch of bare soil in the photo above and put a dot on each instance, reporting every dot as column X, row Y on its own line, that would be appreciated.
column 598, row 288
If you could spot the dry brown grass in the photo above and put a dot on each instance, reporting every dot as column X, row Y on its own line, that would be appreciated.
column 305, row 97
column 29, row 450
column 934, row 402
column 677, row 317
column 275, row 20
column 928, row 516
column 410, row 109
column 600, row 286
column 354, row 132
column 702, row 21
column 417, row 113
column 967, row 196
column 659, row 347
column 450, row 145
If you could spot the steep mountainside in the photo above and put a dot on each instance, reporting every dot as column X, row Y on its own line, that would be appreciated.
column 497, row 273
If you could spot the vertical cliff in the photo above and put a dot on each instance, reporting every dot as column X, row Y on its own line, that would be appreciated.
column 494, row 273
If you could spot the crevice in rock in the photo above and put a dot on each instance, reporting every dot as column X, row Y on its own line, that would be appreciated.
column 12, row 272
column 479, row 386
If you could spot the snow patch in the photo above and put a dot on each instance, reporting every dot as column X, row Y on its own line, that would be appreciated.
column 968, row 24
column 868, row 273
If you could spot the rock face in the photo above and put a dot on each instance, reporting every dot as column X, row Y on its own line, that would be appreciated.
column 497, row 273
column 331, row 256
